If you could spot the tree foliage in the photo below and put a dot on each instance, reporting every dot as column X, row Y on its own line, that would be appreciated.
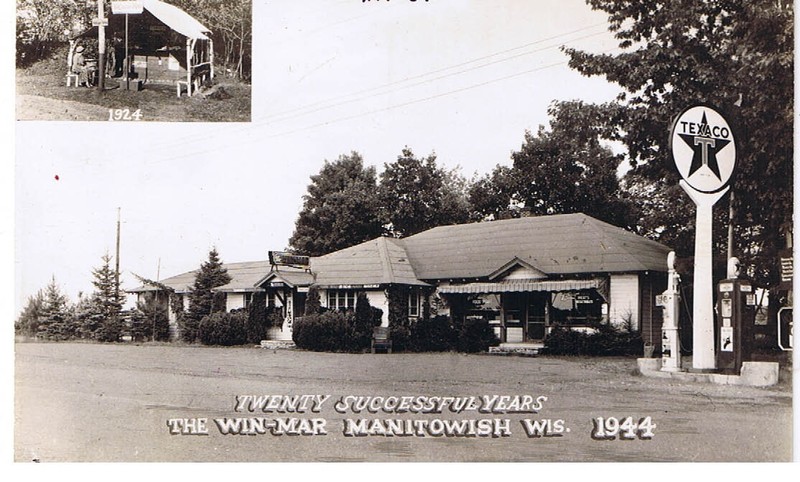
column 28, row 321
column 55, row 318
column 416, row 195
column 733, row 54
column 340, row 208
column 150, row 320
column 202, row 300
column 41, row 25
column 563, row 169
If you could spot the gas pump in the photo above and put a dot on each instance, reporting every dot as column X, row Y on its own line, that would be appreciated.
column 669, row 300
column 736, row 302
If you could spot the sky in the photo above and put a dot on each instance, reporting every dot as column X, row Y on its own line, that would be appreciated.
column 462, row 78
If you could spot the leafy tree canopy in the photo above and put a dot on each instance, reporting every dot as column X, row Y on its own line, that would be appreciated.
column 340, row 208
column 416, row 195
column 563, row 169
column 734, row 54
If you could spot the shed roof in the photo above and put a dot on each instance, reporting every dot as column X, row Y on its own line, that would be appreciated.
column 176, row 19
column 558, row 245
column 379, row 261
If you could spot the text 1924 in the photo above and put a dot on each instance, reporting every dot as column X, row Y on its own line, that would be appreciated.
column 609, row 428
column 124, row 115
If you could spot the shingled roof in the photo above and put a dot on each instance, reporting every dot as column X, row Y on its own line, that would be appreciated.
column 379, row 261
column 564, row 244
column 243, row 278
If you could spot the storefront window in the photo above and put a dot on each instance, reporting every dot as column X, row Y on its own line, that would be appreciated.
column 576, row 307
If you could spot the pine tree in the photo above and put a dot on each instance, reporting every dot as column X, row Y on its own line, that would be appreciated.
column 54, row 321
column 28, row 321
column 151, row 318
column 103, row 322
column 202, row 300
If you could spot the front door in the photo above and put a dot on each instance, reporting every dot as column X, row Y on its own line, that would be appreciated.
column 536, row 320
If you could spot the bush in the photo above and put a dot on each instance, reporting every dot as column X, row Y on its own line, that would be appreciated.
column 225, row 329
column 328, row 331
column 434, row 334
column 476, row 335
column 606, row 340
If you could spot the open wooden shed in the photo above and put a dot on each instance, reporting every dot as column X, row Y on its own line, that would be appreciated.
column 166, row 45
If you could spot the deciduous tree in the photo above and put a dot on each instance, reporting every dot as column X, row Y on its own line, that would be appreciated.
column 736, row 55
column 340, row 208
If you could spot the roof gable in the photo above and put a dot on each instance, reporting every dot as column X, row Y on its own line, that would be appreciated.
column 517, row 269
column 379, row 261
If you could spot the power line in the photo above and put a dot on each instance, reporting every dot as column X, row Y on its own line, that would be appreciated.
column 375, row 111
column 416, row 84
column 295, row 113
column 444, row 69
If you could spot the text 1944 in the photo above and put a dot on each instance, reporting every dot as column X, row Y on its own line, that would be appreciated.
column 124, row 115
column 611, row 428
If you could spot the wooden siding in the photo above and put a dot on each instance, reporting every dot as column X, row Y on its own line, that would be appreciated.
column 234, row 301
column 652, row 316
column 624, row 299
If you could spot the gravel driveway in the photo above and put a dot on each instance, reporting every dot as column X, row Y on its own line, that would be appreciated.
column 93, row 402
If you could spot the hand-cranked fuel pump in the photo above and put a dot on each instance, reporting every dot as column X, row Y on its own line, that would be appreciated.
column 669, row 300
column 736, row 302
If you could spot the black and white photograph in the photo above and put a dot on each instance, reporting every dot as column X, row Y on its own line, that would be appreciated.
column 403, row 231
column 142, row 60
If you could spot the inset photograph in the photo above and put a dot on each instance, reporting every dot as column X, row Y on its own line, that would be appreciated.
column 134, row 60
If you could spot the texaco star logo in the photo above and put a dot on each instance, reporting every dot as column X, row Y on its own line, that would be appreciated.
column 703, row 148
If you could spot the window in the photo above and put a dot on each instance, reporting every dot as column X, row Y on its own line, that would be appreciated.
column 413, row 303
column 341, row 300
column 248, row 298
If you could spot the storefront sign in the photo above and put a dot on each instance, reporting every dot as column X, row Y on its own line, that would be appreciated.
column 127, row 8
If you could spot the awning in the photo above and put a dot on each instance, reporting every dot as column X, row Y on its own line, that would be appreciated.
column 518, row 286
column 176, row 19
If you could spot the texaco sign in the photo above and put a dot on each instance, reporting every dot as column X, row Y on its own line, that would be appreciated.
column 703, row 148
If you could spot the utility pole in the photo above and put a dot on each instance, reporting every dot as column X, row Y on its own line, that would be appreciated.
column 101, row 45
column 116, row 279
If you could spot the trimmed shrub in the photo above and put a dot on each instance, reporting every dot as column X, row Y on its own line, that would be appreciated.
column 434, row 334
column 476, row 335
column 225, row 329
column 328, row 331
column 606, row 340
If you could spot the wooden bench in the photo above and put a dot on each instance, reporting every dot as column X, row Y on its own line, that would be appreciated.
column 181, row 83
column 381, row 339
column 72, row 77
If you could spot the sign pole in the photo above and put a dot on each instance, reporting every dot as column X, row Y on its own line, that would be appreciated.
column 703, row 355
column 704, row 150
column 101, row 47
column 127, row 59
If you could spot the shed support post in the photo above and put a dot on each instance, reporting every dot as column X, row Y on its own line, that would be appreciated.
column 211, row 56
column 188, row 67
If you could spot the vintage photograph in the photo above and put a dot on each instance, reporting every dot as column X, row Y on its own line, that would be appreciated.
column 450, row 231
column 142, row 60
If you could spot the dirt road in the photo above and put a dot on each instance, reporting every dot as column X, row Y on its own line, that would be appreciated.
column 88, row 402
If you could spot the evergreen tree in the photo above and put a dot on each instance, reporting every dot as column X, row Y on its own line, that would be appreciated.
column 104, row 322
column 313, row 304
column 202, row 300
column 257, row 317
column 28, row 321
column 55, row 321
column 150, row 320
